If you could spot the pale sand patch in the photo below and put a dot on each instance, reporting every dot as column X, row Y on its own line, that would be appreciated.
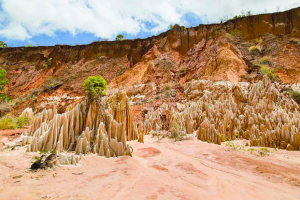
column 188, row 169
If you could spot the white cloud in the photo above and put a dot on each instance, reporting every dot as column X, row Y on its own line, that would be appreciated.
column 20, row 20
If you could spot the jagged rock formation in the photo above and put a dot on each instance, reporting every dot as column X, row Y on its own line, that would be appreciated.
column 28, row 112
column 296, row 87
column 221, row 111
column 104, row 130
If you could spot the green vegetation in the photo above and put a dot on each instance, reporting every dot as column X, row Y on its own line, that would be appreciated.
column 265, row 60
column 234, row 146
column 48, row 63
column 3, row 82
column 167, row 86
column 3, row 44
column 22, row 122
column 182, row 72
column 44, row 151
column 294, row 40
column 233, row 34
column 256, row 41
column 254, row 50
column 243, row 14
column 268, row 71
column 252, row 150
column 53, row 151
column 95, row 85
column 36, row 159
column 295, row 95
column 7, row 123
column 29, row 45
column 176, row 134
column 54, row 84
column 120, row 37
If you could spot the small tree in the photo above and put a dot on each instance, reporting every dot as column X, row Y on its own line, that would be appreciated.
column 3, row 44
column 95, row 87
column 3, row 82
column 120, row 37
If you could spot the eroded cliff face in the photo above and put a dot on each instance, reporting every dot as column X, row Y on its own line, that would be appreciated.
column 213, row 52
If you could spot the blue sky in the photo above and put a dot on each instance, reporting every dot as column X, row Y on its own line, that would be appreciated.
column 50, row 22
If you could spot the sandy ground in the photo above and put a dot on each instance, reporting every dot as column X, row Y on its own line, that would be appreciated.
column 187, row 169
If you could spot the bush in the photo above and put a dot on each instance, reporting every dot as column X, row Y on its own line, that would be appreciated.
column 7, row 123
column 95, row 85
column 254, row 50
column 268, row 71
column 295, row 95
column 266, row 60
column 22, row 122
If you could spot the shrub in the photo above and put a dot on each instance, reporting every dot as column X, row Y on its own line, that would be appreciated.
column 268, row 71
column 265, row 60
column 95, row 85
column 7, row 123
column 295, row 95
column 254, row 50
column 23, row 121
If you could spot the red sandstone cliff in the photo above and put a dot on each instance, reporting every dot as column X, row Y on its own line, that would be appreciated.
column 216, row 51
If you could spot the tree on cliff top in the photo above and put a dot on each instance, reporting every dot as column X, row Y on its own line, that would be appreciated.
column 3, row 44
column 120, row 37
